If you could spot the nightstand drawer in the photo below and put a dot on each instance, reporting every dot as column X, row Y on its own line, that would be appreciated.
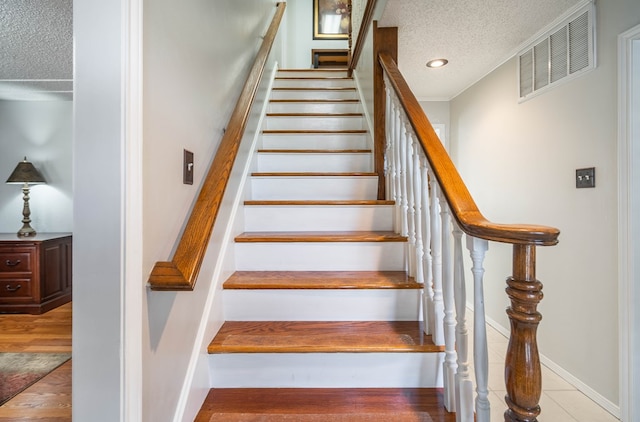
column 16, row 288
column 16, row 261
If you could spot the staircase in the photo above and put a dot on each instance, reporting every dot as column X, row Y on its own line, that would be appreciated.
column 322, row 322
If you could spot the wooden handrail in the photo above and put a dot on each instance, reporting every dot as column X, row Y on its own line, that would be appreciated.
column 182, row 271
column 462, row 205
column 367, row 18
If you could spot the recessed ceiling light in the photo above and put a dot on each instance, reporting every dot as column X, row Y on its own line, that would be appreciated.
column 437, row 63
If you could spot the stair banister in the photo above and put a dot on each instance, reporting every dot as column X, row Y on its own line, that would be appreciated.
column 522, row 366
column 182, row 271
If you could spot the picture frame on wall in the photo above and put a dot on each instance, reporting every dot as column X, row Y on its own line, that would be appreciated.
column 331, row 19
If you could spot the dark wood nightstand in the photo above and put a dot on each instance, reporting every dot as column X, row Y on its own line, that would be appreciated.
column 35, row 272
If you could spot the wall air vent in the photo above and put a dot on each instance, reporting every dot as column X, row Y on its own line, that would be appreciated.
column 565, row 52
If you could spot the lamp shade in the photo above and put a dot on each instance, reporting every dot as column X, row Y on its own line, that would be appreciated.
column 25, row 172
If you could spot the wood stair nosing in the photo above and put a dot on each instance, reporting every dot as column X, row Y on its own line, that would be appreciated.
column 322, row 337
column 311, row 100
column 319, row 88
column 314, row 151
column 249, row 280
column 318, row 78
column 313, row 174
column 314, row 237
column 315, row 114
column 276, row 202
column 314, row 131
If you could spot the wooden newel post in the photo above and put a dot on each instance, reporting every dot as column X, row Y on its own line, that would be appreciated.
column 522, row 367
column 384, row 40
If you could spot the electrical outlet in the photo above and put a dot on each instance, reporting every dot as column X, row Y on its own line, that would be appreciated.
column 187, row 169
column 586, row 178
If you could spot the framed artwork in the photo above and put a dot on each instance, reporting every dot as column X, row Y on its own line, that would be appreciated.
column 331, row 20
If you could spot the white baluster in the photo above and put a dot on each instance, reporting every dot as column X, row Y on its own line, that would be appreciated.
column 417, row 190
column 436, row 252
column 397, row 153
column 427, row 261
column 450, row 358
column 464, row 384
column 388, row 154
column 403, row 176
column 478, row 249
column 411, row 211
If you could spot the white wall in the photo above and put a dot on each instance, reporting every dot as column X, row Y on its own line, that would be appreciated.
column 41, row 131
column 519, row 162
column 300, row 35
column 196, row 60
column 438, row 114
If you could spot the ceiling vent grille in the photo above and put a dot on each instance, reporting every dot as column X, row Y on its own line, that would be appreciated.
column 563, row 53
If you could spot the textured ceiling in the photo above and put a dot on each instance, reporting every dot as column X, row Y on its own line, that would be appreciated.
column 36, row 59
column 475, row 36
column 36, row 49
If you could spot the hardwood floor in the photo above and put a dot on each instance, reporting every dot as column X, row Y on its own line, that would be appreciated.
column 50, row 398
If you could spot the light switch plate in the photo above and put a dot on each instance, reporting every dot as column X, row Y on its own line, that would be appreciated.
column 586, row 178
column 187, row 169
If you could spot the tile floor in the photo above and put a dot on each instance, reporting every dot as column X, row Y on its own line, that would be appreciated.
column 560, row 401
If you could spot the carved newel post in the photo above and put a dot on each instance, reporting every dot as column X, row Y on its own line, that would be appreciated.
column 522, row 367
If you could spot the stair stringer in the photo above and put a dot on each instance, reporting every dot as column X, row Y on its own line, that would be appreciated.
column 219, row 261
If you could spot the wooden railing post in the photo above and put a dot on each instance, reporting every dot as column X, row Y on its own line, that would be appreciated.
column 522, row 367
column 384, row 39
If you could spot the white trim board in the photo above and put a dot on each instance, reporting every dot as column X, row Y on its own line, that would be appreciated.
column 628, row 228
column 132, row 377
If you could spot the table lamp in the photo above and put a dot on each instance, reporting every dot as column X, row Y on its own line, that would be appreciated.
column 26, row 174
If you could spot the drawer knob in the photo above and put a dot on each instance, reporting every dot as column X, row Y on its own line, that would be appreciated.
column 11, row 263
column 13, row 289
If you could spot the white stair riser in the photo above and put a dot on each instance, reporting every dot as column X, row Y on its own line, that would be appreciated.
column 320, row 256
column 330, row 370
column 312, row 83
column 320, row 94
column 322, row 305
column 318, row 107
column 315, row 187
column 318, row 217
column 314, row 141
column 312, row 73
column 318, row 162
column 314, row 123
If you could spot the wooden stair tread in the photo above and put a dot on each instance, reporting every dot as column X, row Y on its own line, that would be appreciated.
column 313, row 78
column 325, row 405
column 321, row 280
column 315, row 114
column 319, row 100
column 321, row 236
column 314, row 131
column 315, row 151
column 306, row 70
column 312, row 174
column 318, row 88
column 312, row 202
column 322, row 337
